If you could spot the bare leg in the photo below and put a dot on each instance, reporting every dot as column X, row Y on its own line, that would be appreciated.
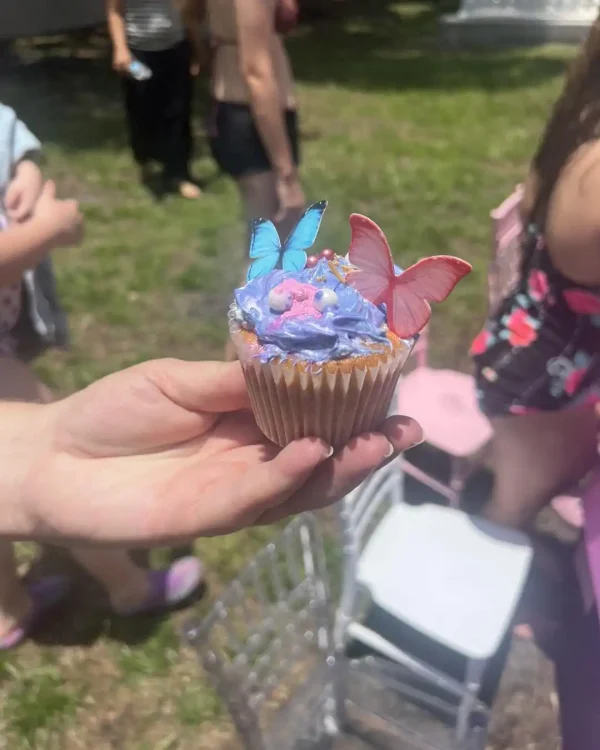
column 126, row 584
column 259, row 196
column 536, row 456
column 259, row 201
column 14, row 600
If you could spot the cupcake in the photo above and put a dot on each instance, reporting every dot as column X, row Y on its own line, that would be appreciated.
column 313, row 334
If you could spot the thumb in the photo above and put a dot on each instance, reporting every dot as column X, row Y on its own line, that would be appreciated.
column 49, row 190
column 212, row 387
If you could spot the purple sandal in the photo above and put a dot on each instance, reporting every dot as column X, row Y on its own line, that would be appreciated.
column 168, row 587
column 45, row 594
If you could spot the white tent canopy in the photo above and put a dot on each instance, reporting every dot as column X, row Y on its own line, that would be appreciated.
column 33, row 17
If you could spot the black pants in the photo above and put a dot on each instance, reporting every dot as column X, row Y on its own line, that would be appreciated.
column 235, row 143
column 159, row 110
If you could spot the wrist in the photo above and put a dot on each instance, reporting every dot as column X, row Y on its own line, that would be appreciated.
column 121, row 48
column 42, row 231
column 26, row 165
column 24, row 432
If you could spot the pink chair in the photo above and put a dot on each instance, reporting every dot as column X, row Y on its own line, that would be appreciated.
column 444, row 401
column 503, row 271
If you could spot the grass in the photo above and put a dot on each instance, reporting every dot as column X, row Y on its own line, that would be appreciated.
column 422, row 140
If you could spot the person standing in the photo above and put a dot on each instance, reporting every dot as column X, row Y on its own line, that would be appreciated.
column 253, row 132
column 162, row 35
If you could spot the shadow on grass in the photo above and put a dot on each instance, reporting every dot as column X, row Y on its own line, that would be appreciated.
column 87, row 615
column 64, row 88
column 379, row 45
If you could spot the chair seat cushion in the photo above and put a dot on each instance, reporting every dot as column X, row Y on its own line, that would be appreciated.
column 453, row 577
column 444, row 402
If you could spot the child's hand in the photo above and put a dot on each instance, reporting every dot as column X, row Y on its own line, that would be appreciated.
column 23, row 191
column 122, row 59
column 61, row 219
column 195, row 66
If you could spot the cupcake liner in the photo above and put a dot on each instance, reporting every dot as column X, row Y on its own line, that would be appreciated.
column 334, row 401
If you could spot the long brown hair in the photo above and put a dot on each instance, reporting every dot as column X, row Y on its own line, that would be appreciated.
column 574, row 121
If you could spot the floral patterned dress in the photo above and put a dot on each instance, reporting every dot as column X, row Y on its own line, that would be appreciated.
column 541, row 349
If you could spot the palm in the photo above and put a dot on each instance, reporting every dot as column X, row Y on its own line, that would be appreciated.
column 169, row 448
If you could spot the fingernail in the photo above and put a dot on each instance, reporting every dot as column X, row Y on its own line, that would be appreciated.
column 329, row 452
column 389, row 451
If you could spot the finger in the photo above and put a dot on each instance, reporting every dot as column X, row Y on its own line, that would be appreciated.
column 336, row 477
column 12, row 197
column 238, row 501
column 21, row 210
column 19, row 214
column 48, row 191
column 200, row 386
column 402, row 432
column 351, row 466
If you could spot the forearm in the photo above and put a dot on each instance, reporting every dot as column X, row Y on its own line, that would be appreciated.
column 22, row 246
column 194, row 20
column 20, row 426
column 196, row 33
column 269, row 117
column 116, row 24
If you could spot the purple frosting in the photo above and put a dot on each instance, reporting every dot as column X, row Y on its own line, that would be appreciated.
column 348, row 329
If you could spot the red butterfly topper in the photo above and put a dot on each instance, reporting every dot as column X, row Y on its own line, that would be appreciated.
column 408, row 295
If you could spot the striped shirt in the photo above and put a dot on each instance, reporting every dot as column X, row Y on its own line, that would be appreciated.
column 153, row 25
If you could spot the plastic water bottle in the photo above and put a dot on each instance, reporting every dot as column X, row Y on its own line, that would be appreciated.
column 139, row 71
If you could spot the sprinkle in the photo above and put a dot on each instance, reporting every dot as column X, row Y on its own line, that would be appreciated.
column 335, row 272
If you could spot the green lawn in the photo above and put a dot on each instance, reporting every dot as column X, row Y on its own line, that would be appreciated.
column 423, row 141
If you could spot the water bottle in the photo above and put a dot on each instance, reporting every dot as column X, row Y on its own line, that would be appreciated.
column 139, row 71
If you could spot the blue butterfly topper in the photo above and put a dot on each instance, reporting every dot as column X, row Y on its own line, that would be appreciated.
column 267, row 252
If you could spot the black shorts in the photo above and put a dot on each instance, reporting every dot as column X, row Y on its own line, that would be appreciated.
column 235, row 143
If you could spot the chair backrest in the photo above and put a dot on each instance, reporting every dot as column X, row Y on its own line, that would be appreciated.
column 506, row 250
column 363, row 507
column 268, row 632
column 359, row 513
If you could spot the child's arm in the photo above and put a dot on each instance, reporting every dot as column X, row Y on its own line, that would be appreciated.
column 194, row 15
column 20, row 177
column 23, row 190
column 118, row 36
column 55, row 223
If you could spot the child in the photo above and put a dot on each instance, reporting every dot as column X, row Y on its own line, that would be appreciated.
column 34, row 223
column 538, row 357
column 158, row 109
